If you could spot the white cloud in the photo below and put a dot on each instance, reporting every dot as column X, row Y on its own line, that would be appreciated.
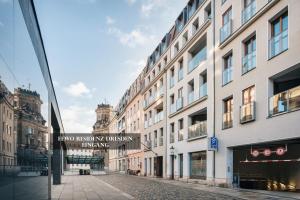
column 135, row 37
column 130, row 2
column 78, row 89
column 1, row 24
column 78, row 119
column 110, row 20
column 146, row 9
column 135, row 67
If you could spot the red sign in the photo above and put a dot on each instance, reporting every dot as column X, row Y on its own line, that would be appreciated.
column 267, row 152
column 255, row 153
column 280, row 151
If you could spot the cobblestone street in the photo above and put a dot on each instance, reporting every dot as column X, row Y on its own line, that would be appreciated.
column 150, row 188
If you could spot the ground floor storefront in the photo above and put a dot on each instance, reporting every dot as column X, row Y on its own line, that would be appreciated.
column 273, row 166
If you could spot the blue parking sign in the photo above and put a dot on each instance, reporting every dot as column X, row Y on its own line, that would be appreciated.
column 213, row 144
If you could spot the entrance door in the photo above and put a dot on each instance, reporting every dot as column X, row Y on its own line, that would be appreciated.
column 158, row 166
column 180, row 165
column 145, row 164
column 172, row 166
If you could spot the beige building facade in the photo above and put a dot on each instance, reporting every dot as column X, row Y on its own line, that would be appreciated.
column 221, row 96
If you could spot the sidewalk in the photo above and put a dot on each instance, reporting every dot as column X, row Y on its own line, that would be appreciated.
column 86, row 187
column 234, row 192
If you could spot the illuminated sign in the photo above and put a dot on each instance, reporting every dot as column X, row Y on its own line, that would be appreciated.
column 267, row 152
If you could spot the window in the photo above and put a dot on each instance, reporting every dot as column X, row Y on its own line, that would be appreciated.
column 159, row 67
column 179, row 102
column 227, row 116
column 198, row 165
column 226, row 29
column 176, row 48
column 223, row 1
column 172, row 73
column 247, row 110
column 165, row 61
column 185, row 38
column 227, row 69
column 249, row 58
column 180, row 130
column 248, row 11
column 172, row 129
column 180, row 70
column 161, row 138
column 279, row 35
column 195, row 26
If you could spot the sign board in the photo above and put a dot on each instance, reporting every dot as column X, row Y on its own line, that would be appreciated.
column 212, row 144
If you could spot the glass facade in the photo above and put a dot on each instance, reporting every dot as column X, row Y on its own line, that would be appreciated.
column 198, row 165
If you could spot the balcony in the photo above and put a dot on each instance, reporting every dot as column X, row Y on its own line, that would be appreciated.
column 197, row 130
column 172, row 81
column 191, row 97
column 248, row 12
column 179, row 103
column 249, row 62
column 247, row 112
column 227, row 75
column 203, row 90
column 161, row 141
column 197, row 59
column 225, row 31
column 159, row 117
column 286, row 101
column 180, row 135
column 278, row 44
column 227, row 120
column 172, row 108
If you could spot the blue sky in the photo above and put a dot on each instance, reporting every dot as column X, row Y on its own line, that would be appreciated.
column 96, row 48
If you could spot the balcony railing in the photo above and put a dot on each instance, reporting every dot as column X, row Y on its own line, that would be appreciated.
column 172, row 138
column 197, row 130
column 159, row 117
column 197, row 59
column 203, row 90
column 286, row 101
column 180, row 135
column 172, row 108
column 247, row 112
column 248, row 12
column 227, row 120
column 161, row 141
column 191, row 97
column 249, row 62
column 227, row 75
column 179, row 103
column 278, row 44
column 226, row 31
column 172, row 79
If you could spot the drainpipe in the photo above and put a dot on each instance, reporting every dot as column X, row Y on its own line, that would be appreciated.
column 214, row 84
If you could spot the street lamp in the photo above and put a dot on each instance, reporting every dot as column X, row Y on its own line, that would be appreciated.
column 172, row 151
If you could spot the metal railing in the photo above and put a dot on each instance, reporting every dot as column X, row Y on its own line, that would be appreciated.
column 161, row 141
column 159, row 117
column 226, row 31
column 286, row 101
column 248, row 12
column 197, row 130
column 227, row 120
column 179, row 103
column 191, row 97
column 249, row 62
column 172, row 81
column 172, row 108
column 203, row 90
column 180, row 135
column 247, row 112
column 227, row 75
column 197, row 59
column 278, row 44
